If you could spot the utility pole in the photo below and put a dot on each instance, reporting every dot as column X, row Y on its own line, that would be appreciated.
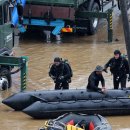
column 126, row 27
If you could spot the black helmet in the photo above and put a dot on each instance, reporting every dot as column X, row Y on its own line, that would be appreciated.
column 57, row 59
column 117, row 52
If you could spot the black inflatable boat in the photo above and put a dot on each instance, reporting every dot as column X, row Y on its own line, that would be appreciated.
column 77, row 122
column 107, row 107
column 22, row 100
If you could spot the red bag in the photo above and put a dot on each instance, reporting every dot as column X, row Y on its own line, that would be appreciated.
column 91, row 126
column 71, row 122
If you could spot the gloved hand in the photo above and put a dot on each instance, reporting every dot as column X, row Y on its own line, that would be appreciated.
column 103, row 89
column 61, row 77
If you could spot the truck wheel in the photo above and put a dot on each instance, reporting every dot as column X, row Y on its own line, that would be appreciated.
column 5, row 79
column 80, row 23
column 127, row 3
column 92, row 24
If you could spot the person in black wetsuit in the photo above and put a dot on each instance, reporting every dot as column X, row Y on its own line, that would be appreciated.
column 94, row 79
column 119, row 68
column 60, row 73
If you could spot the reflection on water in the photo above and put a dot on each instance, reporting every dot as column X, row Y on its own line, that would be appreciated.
column 84, row 53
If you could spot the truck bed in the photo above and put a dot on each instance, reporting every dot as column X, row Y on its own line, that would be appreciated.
column 60, row 9
column 56, row 2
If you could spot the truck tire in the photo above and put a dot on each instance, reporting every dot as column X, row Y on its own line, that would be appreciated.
column 92, row 24
column 127, row 2
column 5, row 79
column 81, row 23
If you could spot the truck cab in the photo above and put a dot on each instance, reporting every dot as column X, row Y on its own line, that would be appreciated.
column 6, row 43
column 6, row 32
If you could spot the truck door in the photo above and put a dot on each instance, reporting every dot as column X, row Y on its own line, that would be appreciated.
column 1, row 27
column 6, row 31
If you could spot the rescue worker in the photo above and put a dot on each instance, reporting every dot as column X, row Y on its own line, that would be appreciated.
column 60, row 73
column 119, row 68
column 94, row 78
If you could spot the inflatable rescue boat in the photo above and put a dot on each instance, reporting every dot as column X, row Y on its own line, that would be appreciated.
column 21, row 100
column 107, row 107
column 77, row 122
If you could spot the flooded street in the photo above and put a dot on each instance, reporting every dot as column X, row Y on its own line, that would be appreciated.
column 83, row 53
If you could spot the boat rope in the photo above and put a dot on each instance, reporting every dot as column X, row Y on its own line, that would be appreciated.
column 124, row 101
column 92, row 100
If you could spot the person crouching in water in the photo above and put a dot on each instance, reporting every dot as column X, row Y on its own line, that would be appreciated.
column 94, row 78
column 60, row 73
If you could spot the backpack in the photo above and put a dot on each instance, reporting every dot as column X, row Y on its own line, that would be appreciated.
column 112, row 66
column 68, row 64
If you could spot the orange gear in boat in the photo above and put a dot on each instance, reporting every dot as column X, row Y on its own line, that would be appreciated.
column 71, row 122
column 91, row 126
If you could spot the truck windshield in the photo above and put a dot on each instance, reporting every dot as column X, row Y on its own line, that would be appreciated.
column 0, row 15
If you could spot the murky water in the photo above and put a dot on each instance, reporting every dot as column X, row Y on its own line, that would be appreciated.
column 84, row 53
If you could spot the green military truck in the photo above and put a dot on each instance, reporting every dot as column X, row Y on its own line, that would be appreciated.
column 6, row 43
column 49, row 12
column 77, row 16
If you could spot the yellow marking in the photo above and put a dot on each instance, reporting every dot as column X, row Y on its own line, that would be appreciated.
column 71, row 127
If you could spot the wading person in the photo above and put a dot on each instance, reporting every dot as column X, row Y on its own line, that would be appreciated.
column 61, row 73
column 94, row 79
column 119, row 68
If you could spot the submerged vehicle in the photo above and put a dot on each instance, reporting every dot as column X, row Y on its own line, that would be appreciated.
column 8, row 39
column 6, row 43
column 5, row 76
column 71, row 121
column 62, row 16
column 21, row 100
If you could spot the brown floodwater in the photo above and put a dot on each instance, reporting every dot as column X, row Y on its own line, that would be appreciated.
column 83, row 53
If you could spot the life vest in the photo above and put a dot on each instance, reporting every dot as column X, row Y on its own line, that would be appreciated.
column 71, row 127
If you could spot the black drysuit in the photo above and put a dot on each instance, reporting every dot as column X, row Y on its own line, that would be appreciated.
column 119, row 68
column 93, row 81
column 61, row 75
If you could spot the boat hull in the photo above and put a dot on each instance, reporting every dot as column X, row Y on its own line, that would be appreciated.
column 107, row 107
column 21, row 100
